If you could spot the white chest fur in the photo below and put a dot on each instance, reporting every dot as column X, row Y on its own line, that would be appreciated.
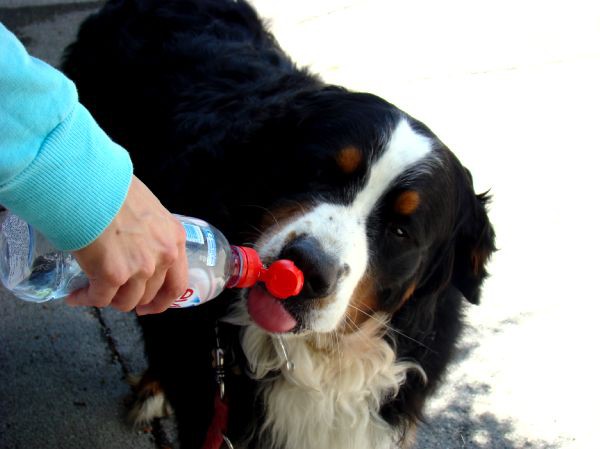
column 331, row 399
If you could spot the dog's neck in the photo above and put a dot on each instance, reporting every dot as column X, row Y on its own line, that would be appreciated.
column 336, row 388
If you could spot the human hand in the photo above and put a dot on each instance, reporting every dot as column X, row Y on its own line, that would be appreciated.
column 138, row 261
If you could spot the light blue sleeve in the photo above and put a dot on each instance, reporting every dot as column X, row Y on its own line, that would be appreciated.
column 58, row 170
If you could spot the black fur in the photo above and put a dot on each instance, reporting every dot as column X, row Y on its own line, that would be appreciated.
column 222, row 125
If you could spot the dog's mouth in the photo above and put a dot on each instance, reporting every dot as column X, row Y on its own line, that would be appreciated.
column 318, row 306
column 269, row 312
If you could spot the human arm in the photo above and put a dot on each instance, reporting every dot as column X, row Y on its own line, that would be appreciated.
column 60, row 172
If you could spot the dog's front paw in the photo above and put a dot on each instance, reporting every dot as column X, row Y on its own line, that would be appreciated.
column 149, row 401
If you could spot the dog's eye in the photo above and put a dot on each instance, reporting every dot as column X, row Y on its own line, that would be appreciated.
column 399, row 231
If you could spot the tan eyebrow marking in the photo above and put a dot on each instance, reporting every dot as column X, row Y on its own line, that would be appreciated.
column 348, row 159
column 407, row 202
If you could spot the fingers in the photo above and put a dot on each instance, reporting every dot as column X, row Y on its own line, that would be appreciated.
column 150, row 290
column 129, row 294
column 174, row 285
column 136, row 292
column 98, row 294
column 152, row 287
column 116, row 285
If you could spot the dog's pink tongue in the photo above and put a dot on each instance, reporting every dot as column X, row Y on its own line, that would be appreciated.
column 268, row 313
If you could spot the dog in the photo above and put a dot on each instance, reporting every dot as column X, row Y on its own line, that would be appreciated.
column 380, row 216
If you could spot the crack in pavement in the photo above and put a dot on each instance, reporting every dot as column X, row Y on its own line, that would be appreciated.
column 158, row 432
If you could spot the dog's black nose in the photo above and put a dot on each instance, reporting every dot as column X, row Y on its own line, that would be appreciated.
column 321, row 271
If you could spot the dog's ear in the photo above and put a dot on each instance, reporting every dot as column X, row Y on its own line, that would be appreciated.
column 474, row 246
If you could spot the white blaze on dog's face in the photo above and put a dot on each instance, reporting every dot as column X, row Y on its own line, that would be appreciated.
column 341, row 230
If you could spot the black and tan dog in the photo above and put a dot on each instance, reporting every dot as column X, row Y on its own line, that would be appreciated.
column 377, row 212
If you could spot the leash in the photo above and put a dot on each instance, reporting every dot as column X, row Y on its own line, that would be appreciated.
column 215, row 437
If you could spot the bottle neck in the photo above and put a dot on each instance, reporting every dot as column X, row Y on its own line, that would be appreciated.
column 236, row 267
column 246, row 267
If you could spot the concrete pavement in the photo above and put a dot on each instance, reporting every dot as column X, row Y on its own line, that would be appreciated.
column 512, row 88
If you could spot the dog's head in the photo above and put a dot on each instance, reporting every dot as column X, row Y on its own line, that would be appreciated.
column 373, row 209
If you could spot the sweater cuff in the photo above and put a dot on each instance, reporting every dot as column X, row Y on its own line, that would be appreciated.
column 76, row 184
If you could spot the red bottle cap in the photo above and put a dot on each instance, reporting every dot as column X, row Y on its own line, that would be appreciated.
column 282, row 279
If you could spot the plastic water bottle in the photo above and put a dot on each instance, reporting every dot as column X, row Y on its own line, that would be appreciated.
column 33, row 270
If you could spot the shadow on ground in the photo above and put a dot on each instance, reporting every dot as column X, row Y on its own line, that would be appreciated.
column 454, row 423
column 458, row 426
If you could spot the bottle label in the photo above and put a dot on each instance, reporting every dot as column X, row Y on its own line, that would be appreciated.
column 211, row 255
column 189, row 299
column 19, row 249
column 193, row 233
column 202, row 287
column 201, row 244
column 202, row 236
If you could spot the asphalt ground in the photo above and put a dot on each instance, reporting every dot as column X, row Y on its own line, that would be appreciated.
column 512, row 88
